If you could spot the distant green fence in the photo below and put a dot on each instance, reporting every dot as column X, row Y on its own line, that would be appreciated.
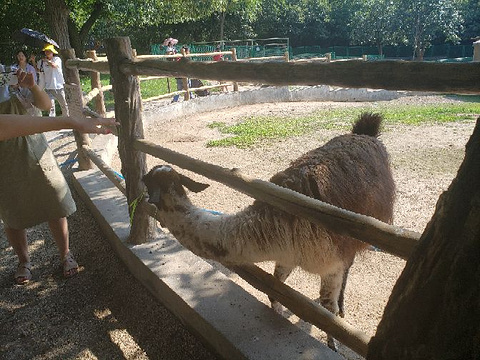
column 445, row 51
column 243, row 51
column 389, row 51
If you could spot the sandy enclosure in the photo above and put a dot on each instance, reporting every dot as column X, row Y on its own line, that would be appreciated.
column 424, row 160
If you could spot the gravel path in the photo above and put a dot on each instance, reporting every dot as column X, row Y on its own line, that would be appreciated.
column 104, row 313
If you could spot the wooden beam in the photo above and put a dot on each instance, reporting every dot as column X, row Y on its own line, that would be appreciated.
column 305, row 308
column 100, row 66
column 392, row 239
column 389, row 75
column 106, row 170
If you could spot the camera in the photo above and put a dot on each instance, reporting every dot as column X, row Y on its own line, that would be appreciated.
column 8, row 77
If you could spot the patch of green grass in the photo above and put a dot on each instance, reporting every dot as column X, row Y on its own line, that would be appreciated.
column 149, row 88
column 256, row 129
column 253, row 129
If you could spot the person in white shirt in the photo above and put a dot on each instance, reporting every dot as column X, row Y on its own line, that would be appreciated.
column 51, row 66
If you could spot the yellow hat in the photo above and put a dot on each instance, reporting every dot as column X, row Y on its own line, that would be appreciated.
column 51, row 48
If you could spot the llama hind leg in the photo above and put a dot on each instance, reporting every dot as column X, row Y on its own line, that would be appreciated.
column 281, row 273
column 341, row 297
column 329, row 298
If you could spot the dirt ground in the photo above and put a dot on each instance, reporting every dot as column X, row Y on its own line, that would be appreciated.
column 105, row 314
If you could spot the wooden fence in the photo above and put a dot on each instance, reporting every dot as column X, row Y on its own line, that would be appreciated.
column 124, row 67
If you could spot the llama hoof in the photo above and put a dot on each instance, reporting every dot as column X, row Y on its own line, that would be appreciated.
column 277, row 307
column 331, row 343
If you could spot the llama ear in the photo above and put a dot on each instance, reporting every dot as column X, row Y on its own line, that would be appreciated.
column 191, row 184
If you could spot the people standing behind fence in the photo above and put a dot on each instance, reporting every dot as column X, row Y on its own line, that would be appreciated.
column 176, row 98
column 171, row 49
column 50, row 67
column 33, row 189
column 218, row 57
column 23, row 64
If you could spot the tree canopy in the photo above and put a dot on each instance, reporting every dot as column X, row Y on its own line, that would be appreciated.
column 80, row 23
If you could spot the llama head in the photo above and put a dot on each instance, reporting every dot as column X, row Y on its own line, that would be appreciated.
column 163, row 183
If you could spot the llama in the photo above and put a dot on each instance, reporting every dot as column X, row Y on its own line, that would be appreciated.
column 351, row 171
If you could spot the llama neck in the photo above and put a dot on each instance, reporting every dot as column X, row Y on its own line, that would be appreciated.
column 244, row 238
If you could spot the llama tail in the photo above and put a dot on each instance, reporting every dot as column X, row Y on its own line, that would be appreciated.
column 368, row 124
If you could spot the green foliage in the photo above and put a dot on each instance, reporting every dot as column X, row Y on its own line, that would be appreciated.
column 14, row 17
column 375, row 22
column 304, row 22
column 250, row 131
column 423, row 20
column 256, row 129
column 470, row 10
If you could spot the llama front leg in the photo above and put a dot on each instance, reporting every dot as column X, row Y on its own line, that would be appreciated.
column 329, row 297
column 281, row 273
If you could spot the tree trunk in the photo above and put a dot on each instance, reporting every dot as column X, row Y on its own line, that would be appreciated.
column 75, row 40
column 380, row 48
column 222, row 26
column 434, row 309
column 56, row 15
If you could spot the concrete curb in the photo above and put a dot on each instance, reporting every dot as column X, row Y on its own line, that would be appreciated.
column 232, row 322
column 269, row 94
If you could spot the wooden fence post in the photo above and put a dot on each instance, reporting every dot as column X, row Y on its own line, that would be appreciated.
column 74, row 99
column 96, row 84
column 128, row 112
column 234, row 58
column 185, row 86
column 476, row 51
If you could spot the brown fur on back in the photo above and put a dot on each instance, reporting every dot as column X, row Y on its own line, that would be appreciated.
column 350, row 171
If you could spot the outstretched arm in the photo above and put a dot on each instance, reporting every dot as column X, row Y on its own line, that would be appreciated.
column 21, row 125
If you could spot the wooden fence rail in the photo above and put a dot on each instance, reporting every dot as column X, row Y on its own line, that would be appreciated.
column 463, row 78
column 390, row 75
column 97, row 66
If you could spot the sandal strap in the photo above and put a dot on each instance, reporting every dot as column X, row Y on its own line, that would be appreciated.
column 24, row 271
column 69, row 263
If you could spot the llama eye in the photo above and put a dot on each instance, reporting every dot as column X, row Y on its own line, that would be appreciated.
column 164, row 168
